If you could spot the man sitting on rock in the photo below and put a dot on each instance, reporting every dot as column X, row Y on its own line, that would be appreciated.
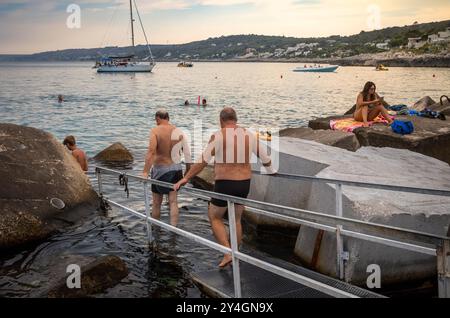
column 163, row 156
column 232, row 146
column 79, row 154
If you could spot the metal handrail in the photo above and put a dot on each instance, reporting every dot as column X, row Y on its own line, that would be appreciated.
column 312, row 219
column 428, row 238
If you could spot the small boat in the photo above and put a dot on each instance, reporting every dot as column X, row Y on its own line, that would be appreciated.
column 381, row 67
column 317, row 68
column 185, row 64
column 122, row 64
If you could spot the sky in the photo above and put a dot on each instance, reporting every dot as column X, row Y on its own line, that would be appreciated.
column 30, row 26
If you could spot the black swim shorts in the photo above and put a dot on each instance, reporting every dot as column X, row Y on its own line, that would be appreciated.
column 171, row 177
column 234, row 188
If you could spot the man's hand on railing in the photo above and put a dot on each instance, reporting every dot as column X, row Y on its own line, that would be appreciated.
column 180, row 183
column 144, row 175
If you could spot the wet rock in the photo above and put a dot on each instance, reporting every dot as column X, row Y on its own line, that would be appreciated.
column 115, row 153
column 338, row 139
column 205, row 179
column 34, row 168
column 95, row 276
column 423, row 103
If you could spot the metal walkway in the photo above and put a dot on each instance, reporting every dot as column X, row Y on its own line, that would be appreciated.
column 258, row 283
column 256, row 276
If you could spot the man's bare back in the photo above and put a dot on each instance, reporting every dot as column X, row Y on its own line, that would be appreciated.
column 234, row 165
column 161, row 137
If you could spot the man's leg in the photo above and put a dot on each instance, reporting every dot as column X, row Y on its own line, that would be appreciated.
column 215, row 214
column 239, row 210
column 156, row 205
column 173, row 204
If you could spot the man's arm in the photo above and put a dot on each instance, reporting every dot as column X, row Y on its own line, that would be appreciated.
column 186, row 152
column 196, row 168
column 153, row 143
column 261, row 152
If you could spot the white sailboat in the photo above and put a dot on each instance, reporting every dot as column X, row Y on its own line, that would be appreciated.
column 121, row 64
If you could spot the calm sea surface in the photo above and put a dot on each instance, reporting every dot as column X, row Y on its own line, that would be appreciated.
column 100, row 109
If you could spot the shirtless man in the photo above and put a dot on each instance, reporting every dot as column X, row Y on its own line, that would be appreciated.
column 232, row 171
column 79, row 154
column 163, row 156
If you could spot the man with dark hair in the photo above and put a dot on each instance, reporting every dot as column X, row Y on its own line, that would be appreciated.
column 232, row 147
column 79, row 154
column 164, row 158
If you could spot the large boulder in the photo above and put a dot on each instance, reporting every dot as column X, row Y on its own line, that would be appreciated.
column 115, row 153
column 96, row 275
column 34, row 169
column 338, row 139
column 423, row 103
column 368, row 164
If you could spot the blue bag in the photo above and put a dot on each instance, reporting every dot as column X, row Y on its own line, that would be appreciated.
column 402, row 127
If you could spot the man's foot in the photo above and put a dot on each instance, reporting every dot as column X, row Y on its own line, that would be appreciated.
column 226, row 260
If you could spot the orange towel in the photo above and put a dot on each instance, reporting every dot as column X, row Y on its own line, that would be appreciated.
column 350, row 124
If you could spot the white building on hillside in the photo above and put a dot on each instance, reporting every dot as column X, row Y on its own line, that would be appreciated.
column 443, row 36
column 415, row 43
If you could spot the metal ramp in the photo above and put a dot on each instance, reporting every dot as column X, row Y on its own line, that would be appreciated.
column 259, row 283
column 263, row 276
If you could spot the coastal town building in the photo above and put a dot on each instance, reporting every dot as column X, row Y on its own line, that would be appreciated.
column 443, row 36
column 415, row 43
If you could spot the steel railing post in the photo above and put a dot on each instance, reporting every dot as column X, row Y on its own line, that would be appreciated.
column 443, row 268
column 147, row 213
column 339, row 242
column 234, row 249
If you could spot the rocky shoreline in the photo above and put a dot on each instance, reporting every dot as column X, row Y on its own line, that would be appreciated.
column 399, row 59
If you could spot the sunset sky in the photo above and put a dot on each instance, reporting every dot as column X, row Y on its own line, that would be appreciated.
column 29, row 26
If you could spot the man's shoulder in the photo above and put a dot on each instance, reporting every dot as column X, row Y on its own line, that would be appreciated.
column 78, row 152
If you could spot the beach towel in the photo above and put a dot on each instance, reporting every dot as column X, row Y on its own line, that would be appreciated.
column 350, row 124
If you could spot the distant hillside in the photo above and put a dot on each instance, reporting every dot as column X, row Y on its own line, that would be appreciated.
column 262, row 47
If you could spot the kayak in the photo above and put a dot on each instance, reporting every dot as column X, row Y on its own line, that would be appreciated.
column 321, row 69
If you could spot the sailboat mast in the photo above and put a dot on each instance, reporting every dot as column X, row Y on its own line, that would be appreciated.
column 132, row 27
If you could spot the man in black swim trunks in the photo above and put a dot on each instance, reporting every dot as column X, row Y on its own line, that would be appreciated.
column 163, row 156
column 232, row 148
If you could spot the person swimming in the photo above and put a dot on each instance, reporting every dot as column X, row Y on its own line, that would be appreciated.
column 186, row 103
column 204, row 102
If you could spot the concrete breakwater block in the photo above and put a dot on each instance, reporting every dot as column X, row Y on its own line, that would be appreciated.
column 328, row 137
column 368, row 164
column 431, row 137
